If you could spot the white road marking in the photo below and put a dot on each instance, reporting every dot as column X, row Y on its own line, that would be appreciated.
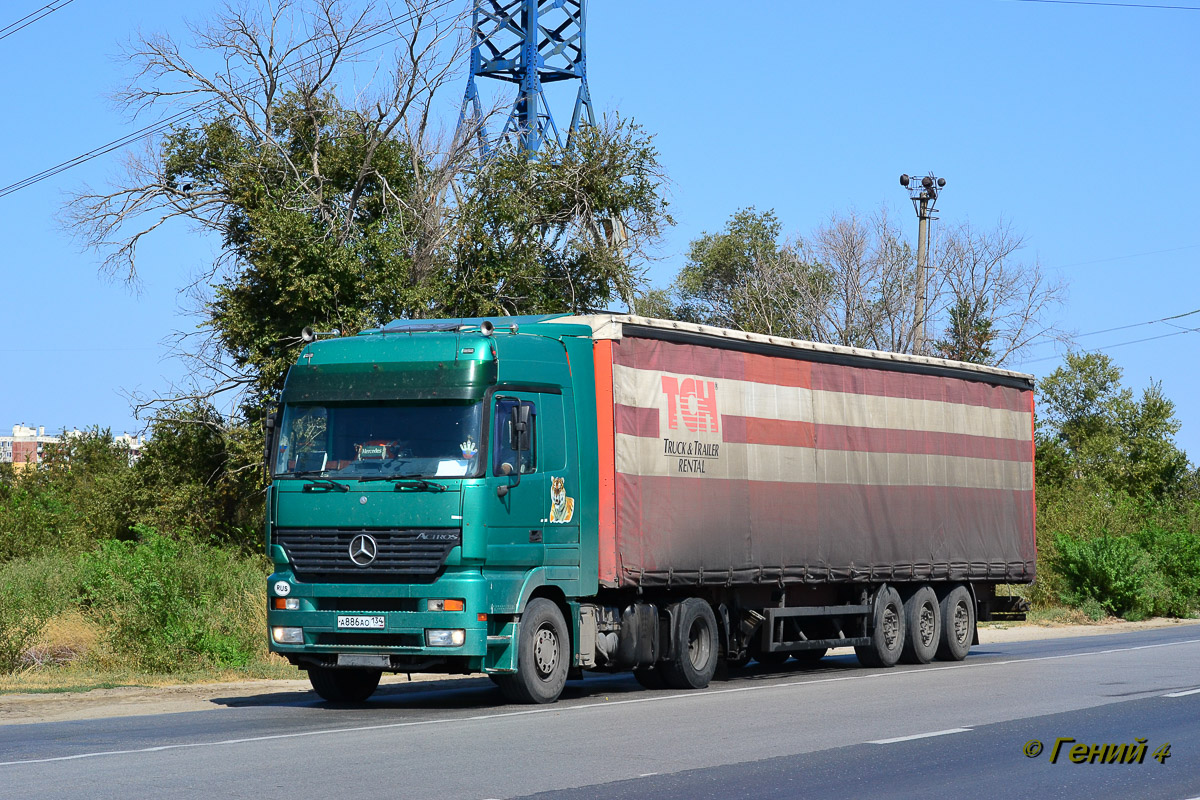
column 647, row 774
column 556, row 709
column 920, row 736
column 1184, row 694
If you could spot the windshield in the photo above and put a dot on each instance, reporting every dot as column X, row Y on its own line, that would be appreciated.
column 380, row 440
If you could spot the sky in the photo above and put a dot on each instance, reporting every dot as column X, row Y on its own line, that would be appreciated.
column 1076, row 123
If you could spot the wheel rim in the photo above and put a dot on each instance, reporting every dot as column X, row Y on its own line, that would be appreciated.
column 891, row 627
column 962, row 622
column 699, row 645
column 545, row 651
column 926, row 623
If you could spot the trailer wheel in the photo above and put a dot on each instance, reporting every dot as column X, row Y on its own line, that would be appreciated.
column 923, row 616
column 696, row 646
column 958, row 624
column 344, row 685
column 887, row 637
column 543, row 655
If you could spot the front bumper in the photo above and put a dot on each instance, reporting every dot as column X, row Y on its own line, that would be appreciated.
column 402, row 607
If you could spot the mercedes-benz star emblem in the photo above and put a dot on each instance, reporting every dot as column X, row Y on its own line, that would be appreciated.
column 363, row 549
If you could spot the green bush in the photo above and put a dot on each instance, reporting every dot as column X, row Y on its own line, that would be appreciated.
column 1153, row 572
column 1109, row 570
column 32, row 590
column 166, row 605
column 1176, row 559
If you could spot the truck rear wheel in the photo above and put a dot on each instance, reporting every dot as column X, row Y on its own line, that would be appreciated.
column 958, row 624
column 887, row 637
column 696, row 648
column 344, row 685
column 923, row 617
column 543, row 655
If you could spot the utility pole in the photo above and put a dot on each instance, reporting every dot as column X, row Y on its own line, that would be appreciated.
column 924, row 195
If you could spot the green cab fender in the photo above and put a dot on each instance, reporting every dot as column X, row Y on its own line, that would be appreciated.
column 502, row 644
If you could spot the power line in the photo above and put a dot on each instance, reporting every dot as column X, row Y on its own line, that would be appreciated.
column 1130, row 255
column 1120, row 344
column 32, row 17
column 1111, row 5
column 195, row 110
column 1139, row 324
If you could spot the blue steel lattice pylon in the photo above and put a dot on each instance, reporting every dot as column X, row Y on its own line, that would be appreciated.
column 530, row 43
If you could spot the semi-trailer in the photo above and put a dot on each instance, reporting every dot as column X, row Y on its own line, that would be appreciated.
column 533, row 497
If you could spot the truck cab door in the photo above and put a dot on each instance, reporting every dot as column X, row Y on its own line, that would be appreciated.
column 519, row 487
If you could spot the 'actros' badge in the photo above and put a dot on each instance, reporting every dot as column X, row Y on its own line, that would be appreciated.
column 363, row 549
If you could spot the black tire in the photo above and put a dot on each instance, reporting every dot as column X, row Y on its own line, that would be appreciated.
column 543, row 655
column 923, row 623
column 958, row 624
column 344, row 685
column 696, row 648
column 887, row 631
column 810, row 658
column 649, row 678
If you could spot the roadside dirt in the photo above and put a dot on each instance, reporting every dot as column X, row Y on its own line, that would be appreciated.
column 135, row 701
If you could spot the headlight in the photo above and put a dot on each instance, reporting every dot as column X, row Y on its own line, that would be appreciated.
column 447, row 638
column 288, row 635
column 286, row 603
column 443, row 605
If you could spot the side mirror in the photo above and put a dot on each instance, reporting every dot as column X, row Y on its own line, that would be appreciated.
column 520, row 428
column 521, row 439
column 271, row 443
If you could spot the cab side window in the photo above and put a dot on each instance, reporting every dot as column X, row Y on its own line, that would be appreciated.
column 504, row 438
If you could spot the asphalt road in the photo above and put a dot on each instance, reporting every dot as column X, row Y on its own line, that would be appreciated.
column 940, row 730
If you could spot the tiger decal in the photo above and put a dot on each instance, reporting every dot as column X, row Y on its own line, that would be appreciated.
column 562, row 508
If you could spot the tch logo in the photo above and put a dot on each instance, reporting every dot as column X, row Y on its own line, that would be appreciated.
column 694, row 400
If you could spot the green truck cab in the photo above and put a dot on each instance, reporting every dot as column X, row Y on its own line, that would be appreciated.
column 411, row 516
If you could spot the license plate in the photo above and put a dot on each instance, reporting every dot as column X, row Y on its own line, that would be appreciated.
column 355, row 660
column 361, row 623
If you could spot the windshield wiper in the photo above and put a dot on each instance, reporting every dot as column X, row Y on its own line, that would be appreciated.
column 325, row 482
column 408, row 482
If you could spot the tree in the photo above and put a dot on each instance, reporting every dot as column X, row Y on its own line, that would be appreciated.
column 326, row 212
column 969, row 334
column 1091, row 428
column 728, row 278
column 345, row 211
column 853, row 282
column 565, row 232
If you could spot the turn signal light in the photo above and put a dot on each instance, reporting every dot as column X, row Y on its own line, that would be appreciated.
column 286, row 603
column 444, row 605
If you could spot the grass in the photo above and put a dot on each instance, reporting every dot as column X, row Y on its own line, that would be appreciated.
column 84, row 677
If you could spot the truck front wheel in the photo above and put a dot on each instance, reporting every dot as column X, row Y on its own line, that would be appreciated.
column 344, row 685
column 887, row 637
column 696, row 649
column 543, row 655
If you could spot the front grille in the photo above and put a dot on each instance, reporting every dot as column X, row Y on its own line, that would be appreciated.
column 410, row 554
column 371, row 639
